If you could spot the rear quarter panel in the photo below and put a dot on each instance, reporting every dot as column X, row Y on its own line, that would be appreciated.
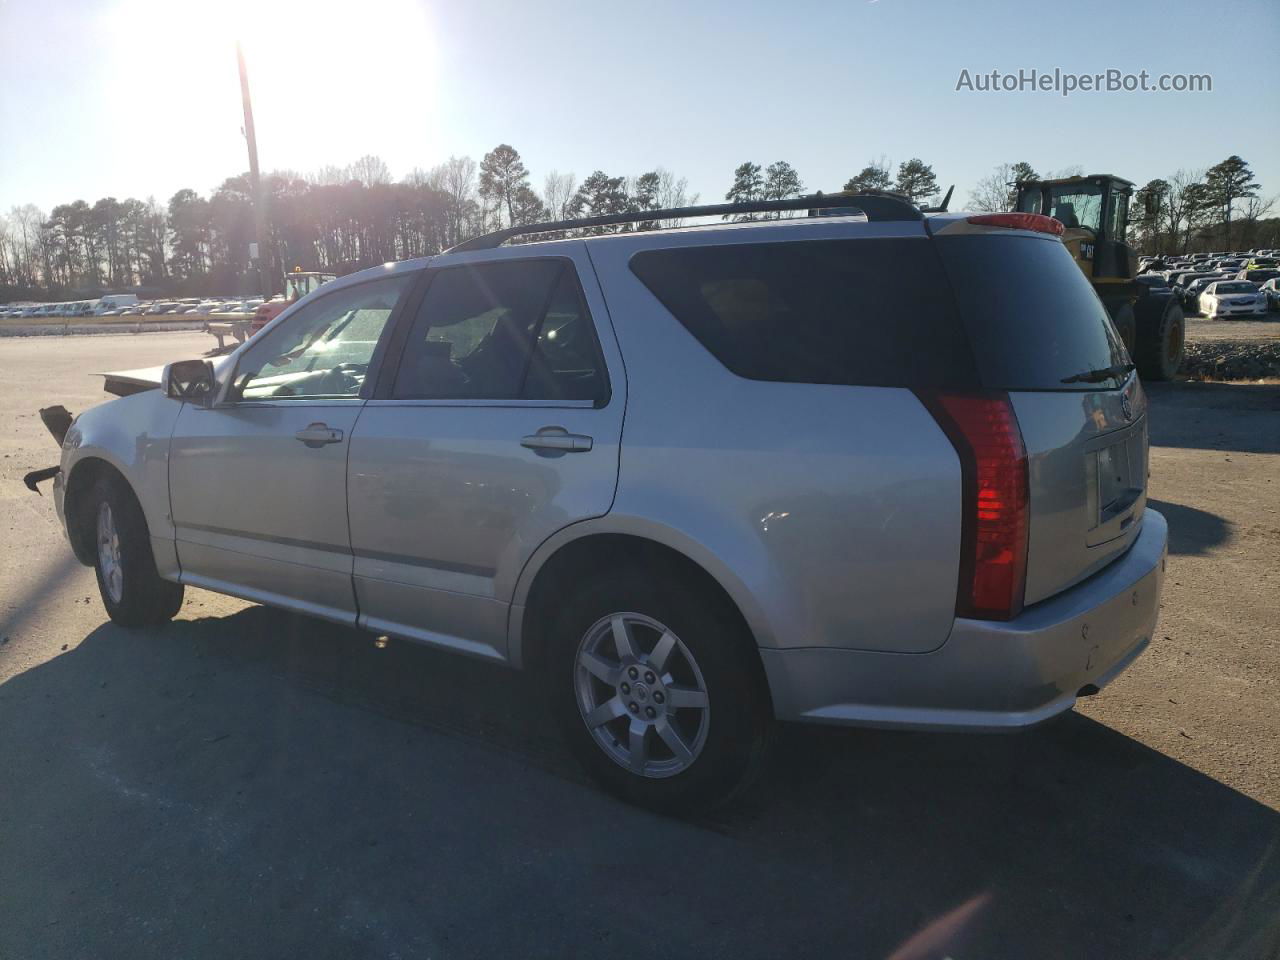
column 830, row 513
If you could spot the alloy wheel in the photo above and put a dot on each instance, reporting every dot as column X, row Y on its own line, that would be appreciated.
column 642, row 695
column 109, row 553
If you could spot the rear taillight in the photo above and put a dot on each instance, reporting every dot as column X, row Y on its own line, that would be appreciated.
column 993, row 550
column 1019, row 221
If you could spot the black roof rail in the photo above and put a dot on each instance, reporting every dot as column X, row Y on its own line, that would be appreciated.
column 876, row 208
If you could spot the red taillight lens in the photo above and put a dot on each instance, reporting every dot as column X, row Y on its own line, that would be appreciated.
column 1020, row 221
column 993, row 569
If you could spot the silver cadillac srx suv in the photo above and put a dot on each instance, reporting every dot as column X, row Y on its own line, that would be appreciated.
column 884, row 469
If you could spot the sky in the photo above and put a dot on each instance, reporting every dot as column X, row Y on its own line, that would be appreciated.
column 141, row 98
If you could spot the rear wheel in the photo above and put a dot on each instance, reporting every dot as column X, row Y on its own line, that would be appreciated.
column 132, row 591
column 656, row 690
column 1160, row 348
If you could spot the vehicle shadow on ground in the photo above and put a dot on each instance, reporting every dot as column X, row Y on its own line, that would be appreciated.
column 1189, row 414
column 1192, row 532
column 267, row 784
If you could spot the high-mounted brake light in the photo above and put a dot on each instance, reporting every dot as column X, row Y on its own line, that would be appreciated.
column 993, row 550
column 1019, row 221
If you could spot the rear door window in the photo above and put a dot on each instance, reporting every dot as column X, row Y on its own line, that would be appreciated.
column 869, row 312
column 506, row 330
column 1032, row 317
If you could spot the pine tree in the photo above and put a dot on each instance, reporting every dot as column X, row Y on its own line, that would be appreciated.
column 502, row 173
column 916, row 180
column 1227, row 182
column 748, row 183
column 871, row 178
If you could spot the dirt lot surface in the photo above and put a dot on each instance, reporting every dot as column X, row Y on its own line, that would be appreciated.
column 244, row 782
column 1200, row 329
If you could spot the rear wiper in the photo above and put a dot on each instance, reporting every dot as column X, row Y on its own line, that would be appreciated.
column 1097, row 376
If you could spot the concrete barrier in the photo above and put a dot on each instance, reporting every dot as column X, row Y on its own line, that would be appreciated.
column 72, row 327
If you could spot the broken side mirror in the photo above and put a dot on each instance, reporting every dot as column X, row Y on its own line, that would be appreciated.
column 190, row 381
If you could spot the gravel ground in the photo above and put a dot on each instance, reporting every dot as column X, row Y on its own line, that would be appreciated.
column 1233, row 349
column 1200, row 329
column 243, row 782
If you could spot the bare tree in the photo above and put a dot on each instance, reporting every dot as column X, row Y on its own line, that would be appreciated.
column 991, row 195
column 558, row 190
column 1181, row 205
column 673, row 193
column 25, row 225
column 370, row 170
column 459, row 184
column 417, row 177
column 1254, row 210
column 329, row 175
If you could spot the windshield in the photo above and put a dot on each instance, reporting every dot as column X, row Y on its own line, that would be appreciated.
column 1076, row 205
column 1240, row 287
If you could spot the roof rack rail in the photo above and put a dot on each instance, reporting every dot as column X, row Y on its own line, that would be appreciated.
column 875, row 207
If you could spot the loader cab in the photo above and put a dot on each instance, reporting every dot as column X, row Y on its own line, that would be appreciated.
column 1094, row 212
column 300, row 283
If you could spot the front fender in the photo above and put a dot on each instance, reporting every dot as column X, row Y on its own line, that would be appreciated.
column 130, row 434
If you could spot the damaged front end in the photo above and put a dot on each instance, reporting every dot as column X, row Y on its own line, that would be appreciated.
column 58, row 420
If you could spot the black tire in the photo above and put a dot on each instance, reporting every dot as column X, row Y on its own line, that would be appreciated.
column 739, row 723
column 139, row 597
column 1125, row 324
column 1161, row 334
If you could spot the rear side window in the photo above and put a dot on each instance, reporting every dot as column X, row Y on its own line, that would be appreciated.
column 869, row 312
column 1032, row 317
column 508, row 330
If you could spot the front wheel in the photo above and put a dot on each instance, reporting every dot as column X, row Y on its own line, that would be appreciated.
column 1161, row 344
column 657, row 691
column 132, row 591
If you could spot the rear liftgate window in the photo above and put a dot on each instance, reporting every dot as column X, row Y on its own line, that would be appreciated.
column 872, row 312
column 1031, row 315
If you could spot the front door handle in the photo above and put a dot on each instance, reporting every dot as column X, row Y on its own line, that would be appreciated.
column 318, row 434
column 557, row 440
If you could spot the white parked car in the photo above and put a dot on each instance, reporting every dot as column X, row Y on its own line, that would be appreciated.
column 1271, row 291
column 110, row 303
column 1232, row 298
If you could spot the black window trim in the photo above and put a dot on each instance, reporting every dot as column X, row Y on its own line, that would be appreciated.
column 384, row 390
column 229, row 398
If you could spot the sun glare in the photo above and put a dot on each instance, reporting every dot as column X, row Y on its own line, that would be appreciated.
column 328, row 84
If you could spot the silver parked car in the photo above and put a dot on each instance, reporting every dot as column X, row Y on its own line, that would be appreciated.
column 884, row 471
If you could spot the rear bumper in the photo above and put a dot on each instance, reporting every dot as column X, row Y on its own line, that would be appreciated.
column 988, row 675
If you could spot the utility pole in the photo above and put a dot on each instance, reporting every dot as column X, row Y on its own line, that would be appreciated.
column 263, row 259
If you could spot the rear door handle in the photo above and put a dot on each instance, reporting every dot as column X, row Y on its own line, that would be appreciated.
column 557, row 440
column 318, row 434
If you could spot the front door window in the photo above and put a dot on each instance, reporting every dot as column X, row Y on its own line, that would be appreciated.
column 322, row 350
